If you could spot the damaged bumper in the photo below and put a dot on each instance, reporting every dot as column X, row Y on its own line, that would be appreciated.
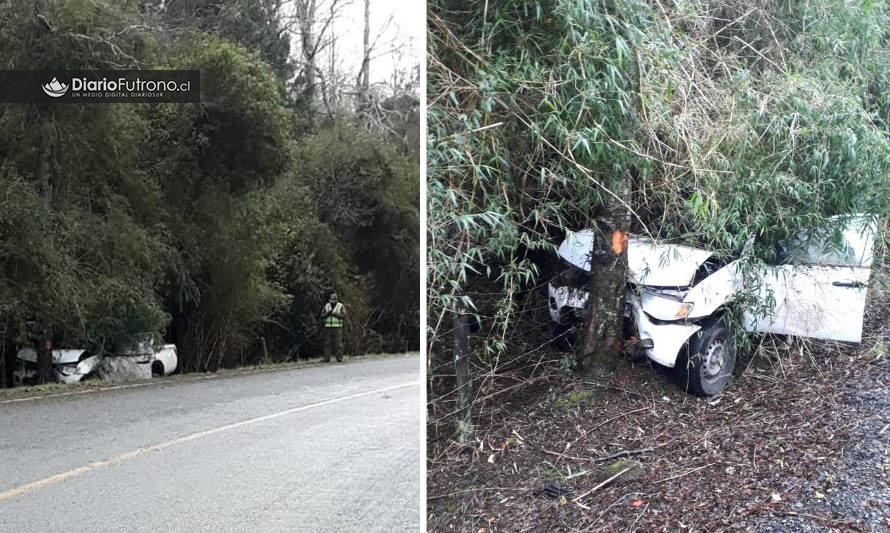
column 73, row 373
column 660, row 341
column 565, row 304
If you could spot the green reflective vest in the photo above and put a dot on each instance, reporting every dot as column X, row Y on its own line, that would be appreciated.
column 333, row 321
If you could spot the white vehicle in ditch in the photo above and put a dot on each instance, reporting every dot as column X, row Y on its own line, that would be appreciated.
column 677, row 294
column 141, row 361
column 68, row 366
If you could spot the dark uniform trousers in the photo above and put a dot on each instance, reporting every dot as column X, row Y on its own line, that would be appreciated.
column 333, row 342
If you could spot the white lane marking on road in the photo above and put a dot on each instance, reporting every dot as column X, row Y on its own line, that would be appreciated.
column 58, row 478
column 73, row 393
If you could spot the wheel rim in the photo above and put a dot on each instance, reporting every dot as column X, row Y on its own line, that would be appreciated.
column 715, row 360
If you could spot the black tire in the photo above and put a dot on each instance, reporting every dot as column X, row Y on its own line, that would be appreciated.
column 709, row 363
column 157, row 369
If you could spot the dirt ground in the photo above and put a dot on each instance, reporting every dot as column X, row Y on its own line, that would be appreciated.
column 800, row 441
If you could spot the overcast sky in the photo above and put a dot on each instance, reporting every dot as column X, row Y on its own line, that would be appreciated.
column 405, row 30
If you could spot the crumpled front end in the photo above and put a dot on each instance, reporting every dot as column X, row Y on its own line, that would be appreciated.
column 566, row 304
column 660, row 340
column 673, row 290
column 73, row 373
column 69, row 365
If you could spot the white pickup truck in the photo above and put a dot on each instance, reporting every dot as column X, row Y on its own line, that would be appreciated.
column 677, row 294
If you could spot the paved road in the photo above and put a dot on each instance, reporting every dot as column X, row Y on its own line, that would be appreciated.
column 325, row 447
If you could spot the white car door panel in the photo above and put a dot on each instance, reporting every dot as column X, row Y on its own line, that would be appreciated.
column 823, row 302
column 823, row 295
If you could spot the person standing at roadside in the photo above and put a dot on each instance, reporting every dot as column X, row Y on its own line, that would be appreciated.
column 333, row 315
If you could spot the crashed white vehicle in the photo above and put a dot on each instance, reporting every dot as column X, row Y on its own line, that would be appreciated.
column 142, row 360
column 69, row 366
column 677, row 295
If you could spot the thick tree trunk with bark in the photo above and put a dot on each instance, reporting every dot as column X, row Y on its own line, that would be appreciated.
column 602, row 339
column 44, row 360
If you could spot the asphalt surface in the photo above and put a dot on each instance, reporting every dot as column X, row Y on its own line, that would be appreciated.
column 326, row 447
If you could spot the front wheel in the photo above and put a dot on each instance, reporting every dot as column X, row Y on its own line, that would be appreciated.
column 709, row 363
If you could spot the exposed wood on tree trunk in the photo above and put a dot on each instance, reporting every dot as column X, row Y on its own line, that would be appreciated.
column 608, row 268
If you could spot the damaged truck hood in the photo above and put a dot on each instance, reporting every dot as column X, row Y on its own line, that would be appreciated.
column 659, row 265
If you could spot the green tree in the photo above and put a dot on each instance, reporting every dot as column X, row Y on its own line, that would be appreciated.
column 368, row 194
column 252, row 25
column 93, row 268
column 211, row 159
column 538, row 134
column 198, row 222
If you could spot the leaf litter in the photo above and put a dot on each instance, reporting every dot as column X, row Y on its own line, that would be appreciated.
column 799, row 442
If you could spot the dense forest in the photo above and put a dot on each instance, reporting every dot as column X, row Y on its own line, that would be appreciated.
column 220, row 226
column 712, row 123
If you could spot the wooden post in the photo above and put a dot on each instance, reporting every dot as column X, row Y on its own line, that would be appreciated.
column 463, row 412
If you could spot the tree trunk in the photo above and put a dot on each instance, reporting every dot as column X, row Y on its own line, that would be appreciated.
column 329, row 89
column 463, row 414
column 364, row 82
column 44, row 167
column 7, row 360
column 308, row 47
column 45, row 188
column 44, row 360
column 602, row 340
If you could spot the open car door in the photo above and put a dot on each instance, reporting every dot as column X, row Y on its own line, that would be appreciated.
column 819, row 288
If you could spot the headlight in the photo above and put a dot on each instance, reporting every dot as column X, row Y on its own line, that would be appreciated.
column 662, row 308
column 66, row 370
